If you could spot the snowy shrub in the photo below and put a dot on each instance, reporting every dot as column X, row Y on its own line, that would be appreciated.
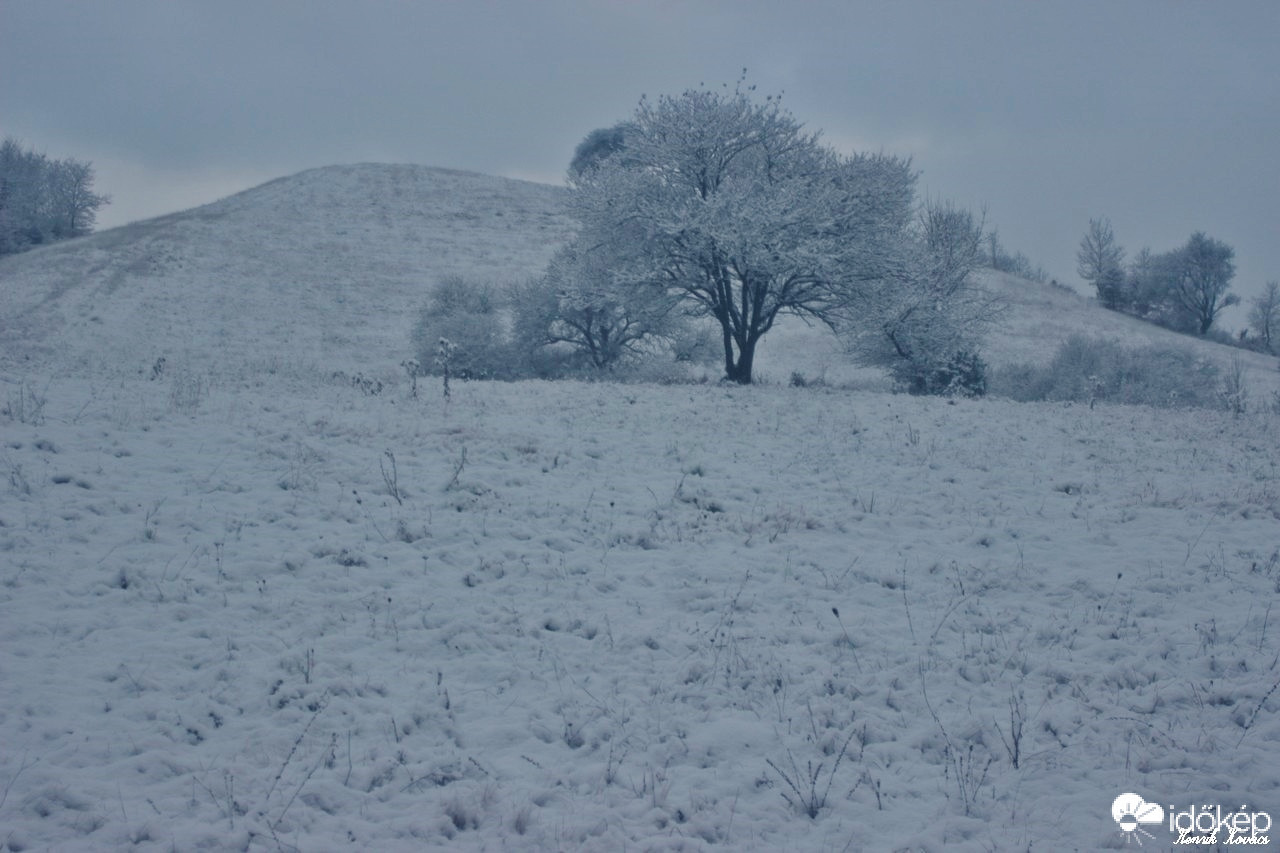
column 1093, row 370
column 695, row 343
column 963, row 374
column 186, row 391
column 580, row 306
column 1234, row 391
column 25, row 405
column 806, row 789
column 469, row 314
column 367, row 385
column 926, row 322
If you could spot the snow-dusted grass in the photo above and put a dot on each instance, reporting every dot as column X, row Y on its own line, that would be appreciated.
column 247, row 603
column 282, row 615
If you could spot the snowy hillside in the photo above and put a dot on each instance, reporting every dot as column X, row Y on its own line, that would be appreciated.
column 247, row 605
column 1041, row 317
column 1038, row 319
column 324, row 269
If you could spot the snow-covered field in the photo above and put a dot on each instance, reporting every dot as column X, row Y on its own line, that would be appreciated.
column 290, row 615
column 245, row 604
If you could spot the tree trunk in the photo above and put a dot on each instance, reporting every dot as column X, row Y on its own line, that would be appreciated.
column 741, row 372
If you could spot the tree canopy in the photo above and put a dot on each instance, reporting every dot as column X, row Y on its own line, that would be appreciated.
column 726, row 203
column 1203, row 275
column 43, row 200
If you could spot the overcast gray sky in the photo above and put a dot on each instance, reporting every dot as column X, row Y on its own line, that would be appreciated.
column 1163, row 116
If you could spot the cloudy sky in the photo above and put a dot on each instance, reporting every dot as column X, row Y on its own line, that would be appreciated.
column 1164, row 116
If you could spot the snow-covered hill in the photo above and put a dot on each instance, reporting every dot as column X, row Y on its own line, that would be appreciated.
column 326, row 270
column 323, row 269
column 245, row 604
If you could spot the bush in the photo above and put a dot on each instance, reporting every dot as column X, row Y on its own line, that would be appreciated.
column 1090, row 370
column 521, row 332
column 963, row 374
column 695, row 343
column 468, row 314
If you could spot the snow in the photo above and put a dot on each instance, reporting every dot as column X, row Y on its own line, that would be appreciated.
column 587, row 616
column 245, row 604
column 330, row 265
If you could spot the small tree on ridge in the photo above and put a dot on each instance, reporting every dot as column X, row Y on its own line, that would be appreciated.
column 1100, row 261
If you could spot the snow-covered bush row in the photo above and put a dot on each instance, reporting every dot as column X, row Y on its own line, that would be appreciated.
column 1087, row 370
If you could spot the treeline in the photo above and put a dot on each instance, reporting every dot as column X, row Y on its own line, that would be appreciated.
column 1184, row 289
column 43, row 200
column 1016, row 263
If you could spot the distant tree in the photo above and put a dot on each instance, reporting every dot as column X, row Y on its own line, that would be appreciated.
column 1204, row 271
column 21, row 176
column 994, row 250
column 73, row 203
column 1140, row 285
column 1147, row 294
column 1100, row 261
column 738, row 213
column 43, row 200
column 1264, row 316
column 1023, row 267
column 598, row 146
column 999, row 259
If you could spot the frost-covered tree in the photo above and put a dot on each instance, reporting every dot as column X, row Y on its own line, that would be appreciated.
column 1264, row 315
column 43, row 200
column 73, row 205
column 21, row 204
column 1100, row 261
column 926, row 324
column 743, row 216
column 579, row 302
column 1147, row 290
column 1203, row 275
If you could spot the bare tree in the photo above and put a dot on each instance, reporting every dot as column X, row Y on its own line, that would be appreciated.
column 1264, row 315
column 73, row 203
column 1204, row 274
column 1100, row 261
column 579, row 302
column 743, row 216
